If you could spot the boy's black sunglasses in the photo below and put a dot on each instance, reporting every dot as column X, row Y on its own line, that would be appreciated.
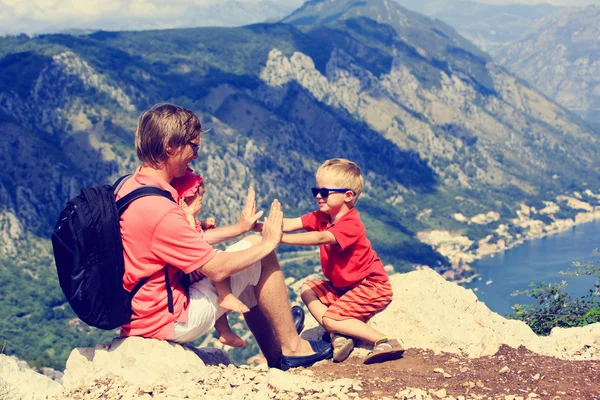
column 324, row 192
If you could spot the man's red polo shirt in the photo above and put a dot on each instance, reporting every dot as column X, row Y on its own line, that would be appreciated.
column 350, row 260
column 156, row 232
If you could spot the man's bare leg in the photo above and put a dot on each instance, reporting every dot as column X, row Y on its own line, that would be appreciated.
column 272, row 296
column 265, row 337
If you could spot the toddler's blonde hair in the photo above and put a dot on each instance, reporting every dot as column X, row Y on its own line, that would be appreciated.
column 348, row 174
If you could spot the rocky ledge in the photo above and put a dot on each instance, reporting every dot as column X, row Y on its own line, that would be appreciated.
column 428, row 312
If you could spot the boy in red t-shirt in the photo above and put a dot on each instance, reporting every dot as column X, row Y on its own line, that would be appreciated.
column 357, row 286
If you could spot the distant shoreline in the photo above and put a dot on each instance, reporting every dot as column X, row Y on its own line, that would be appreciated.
column 540, row 231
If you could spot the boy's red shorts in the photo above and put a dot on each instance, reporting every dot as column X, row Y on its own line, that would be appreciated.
column 360, row 302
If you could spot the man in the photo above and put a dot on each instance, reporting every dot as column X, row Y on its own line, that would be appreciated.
column 159, row 242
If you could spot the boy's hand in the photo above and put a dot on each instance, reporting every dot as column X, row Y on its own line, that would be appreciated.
column 249, row 215
column 208, row 223
column 273, row 226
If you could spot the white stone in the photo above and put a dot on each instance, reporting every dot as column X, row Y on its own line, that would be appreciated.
column 17, row 380
column 136, row 360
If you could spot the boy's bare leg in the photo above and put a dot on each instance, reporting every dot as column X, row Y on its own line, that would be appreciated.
column 354, row 328
column 226, row 335
column 314, row 305
column 349, row 327
column 227, row 300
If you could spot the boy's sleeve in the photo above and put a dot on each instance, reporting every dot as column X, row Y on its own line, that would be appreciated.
column 346, row 232
column 176, row 243
column 310, row 221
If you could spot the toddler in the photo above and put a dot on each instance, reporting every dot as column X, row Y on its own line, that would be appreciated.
column 190, row 189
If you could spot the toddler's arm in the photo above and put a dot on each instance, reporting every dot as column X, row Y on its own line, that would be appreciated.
column 309, row 238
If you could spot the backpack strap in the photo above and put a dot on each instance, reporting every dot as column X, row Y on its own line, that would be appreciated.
column 122, row 204
column 119, row 182
column 169, row 291
column 143, row 191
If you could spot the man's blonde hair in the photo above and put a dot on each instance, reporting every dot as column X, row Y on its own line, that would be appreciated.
column 348, row 174
column 164, row 125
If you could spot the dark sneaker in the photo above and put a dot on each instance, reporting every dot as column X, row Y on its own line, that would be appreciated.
column 342, row 347
column 385, row 349
column 323, row 351
column 298, row 317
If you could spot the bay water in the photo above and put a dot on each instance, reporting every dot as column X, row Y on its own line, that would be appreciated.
column 539, row 260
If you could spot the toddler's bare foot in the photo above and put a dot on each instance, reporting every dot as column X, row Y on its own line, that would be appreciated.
column 231, row 339
column 230, row 302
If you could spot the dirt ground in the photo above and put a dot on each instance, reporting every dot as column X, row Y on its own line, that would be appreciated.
column 547, row 377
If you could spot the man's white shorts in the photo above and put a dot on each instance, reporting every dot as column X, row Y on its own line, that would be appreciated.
column 204, row 309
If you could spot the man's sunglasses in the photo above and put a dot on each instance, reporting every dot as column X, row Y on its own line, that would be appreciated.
column 324, row 192
column 195, row 146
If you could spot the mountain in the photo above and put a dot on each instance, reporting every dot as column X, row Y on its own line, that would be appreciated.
column 489, row 26
column 560, row 56
column 460, row 157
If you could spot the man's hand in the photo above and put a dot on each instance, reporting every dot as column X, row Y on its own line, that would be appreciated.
column 249, row 215
column 273, row 226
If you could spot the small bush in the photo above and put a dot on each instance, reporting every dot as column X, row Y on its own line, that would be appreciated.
column 555, row 307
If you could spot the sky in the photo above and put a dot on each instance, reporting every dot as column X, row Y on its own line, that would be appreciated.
column 36, row 16
column 574, row 3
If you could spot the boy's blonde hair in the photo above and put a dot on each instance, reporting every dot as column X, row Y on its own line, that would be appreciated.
column 348, row 174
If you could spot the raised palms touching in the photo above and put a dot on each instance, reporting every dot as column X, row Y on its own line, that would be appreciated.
column 249, row 216
column 272, row 230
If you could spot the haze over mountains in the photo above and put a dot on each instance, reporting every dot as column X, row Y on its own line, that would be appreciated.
column 560, row 55
column 489, row 26
column 553, row 48
column 448, row 140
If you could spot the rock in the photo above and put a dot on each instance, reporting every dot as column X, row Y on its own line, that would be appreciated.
column 504, row 370
column 136, row 360
column 211, row 355
column 17, row 380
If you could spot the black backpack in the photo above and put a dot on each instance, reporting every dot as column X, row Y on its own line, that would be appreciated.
column 88, row 250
